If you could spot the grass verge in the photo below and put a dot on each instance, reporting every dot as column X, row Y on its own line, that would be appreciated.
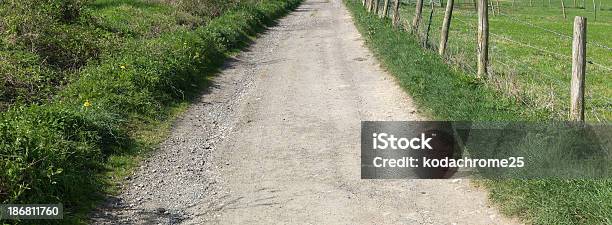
column 446, row 93
column 95, row 129
column 530, row 52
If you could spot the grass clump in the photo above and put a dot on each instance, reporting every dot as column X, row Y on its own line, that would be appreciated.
column 24, row 79
column 53, row 29
column 448, row 93
column 141, row 19
column 51, row 153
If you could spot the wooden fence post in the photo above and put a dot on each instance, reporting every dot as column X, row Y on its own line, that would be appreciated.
column 497, row 6
column 483, row 38
column 371, row 6
column 425, row 42
column 563, row 9
column 376, row 6
column 599, row 5
column 595, row 9
column 396, row 14
column 578, row 69
column 386, row 9
column 363, row 2
column 445, row 27
column 417, row 16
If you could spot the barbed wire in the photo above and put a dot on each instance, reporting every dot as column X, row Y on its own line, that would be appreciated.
column 553, row 32
column 534, row 47
column 508, row 64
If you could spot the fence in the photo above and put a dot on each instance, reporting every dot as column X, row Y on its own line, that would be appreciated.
column 530, row 48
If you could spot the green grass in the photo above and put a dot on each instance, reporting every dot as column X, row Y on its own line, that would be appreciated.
column 74, row 142
column 141, row 19
column 448, row 92
column 443, row 91
column 45, row 43
column 530, row 52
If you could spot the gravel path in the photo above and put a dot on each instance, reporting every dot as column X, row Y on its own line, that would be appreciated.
column 276, row 140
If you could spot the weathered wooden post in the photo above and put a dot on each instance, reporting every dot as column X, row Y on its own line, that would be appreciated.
column 396, row 13
column 371, row 6
column 563, row 9
column 426, row 41
column 497, row 6
column 578, row 69
column 417, row 16
column 376, row 3
column 595, row 9
column 483, row 38
column 386, row 9
column 445, row 27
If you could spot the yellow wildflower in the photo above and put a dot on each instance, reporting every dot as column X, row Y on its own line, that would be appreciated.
column 122, row 67
column 87, row 103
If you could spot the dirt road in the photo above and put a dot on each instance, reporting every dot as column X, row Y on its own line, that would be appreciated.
column 276, row 140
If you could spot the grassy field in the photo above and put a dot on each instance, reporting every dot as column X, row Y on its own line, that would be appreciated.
column 87, row 88
column 447, row 92
column 530, row 51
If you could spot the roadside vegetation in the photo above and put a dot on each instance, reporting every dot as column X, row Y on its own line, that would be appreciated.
column 531, row 50
column 449, row 92
column 87, row 85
